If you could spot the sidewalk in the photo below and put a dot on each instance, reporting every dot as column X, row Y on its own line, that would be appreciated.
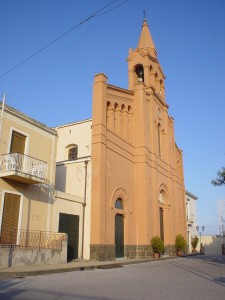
column 23, row 271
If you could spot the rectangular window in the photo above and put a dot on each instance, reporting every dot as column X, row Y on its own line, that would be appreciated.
column 72, row 155
column 17, row 143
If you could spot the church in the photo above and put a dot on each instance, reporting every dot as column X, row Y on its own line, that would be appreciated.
column 99, row 189
column 135, row 177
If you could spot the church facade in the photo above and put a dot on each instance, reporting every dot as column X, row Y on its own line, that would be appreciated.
column 110, row 183
column 137, row 169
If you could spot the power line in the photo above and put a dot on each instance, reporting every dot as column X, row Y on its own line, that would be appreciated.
column 96, row 14
column 52, row 65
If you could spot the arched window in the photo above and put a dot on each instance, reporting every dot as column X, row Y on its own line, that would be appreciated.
column 119, row 204
column 72, row 153
column 139, row 70
column 161, row 197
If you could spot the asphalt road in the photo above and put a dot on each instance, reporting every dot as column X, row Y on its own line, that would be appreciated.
column 197, row 277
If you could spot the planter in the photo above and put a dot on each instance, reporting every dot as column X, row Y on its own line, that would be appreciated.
column 157, row 246
column 180, row 244
column 156, row 255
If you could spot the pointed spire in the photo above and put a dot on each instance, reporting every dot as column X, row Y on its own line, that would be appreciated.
column 145, row 40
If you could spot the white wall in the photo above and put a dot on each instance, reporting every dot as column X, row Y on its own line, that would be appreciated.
column 70, row 197
column 75, row 133
column 72, row 179
column 14, row 257
column 191, row 211
column 212, row 244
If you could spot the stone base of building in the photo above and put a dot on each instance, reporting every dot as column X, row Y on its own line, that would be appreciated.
column 102, row 252
column 170, row 250
column 141, row 251
column 107, row 252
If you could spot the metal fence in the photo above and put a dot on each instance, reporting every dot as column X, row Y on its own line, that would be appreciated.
column 32, row 239
column 23, row 163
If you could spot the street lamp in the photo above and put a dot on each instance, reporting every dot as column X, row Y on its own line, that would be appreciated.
column 200, row 234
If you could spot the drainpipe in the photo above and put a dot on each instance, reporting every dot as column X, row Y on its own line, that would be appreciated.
column 84, row 206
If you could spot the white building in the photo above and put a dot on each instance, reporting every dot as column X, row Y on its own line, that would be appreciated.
column 191, row 217
column 73, row 182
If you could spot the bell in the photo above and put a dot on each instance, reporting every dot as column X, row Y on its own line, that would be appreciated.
column 140, row 74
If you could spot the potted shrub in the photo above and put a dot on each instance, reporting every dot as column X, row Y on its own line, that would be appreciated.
column 157, row 246
column 194, row 243
column 180, row 244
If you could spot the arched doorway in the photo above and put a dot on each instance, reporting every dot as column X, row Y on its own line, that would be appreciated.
column 119, row 229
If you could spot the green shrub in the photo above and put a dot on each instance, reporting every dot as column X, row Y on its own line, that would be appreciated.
column 180, row 243
column 157, row 244
column 194, row 242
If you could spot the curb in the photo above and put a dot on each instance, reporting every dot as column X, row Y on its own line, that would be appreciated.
column 109, row 265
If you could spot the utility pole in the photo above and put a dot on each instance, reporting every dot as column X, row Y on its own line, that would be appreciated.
column 1, row 120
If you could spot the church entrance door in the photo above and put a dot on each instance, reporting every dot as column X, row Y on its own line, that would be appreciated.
column 119, row 235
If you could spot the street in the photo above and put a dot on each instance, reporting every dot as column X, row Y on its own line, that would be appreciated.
column 193, row 277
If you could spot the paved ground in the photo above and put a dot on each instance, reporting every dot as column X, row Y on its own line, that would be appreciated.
column 23, row 271
column 197, row 277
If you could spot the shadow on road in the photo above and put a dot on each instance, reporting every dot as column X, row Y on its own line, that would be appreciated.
column 215, row 260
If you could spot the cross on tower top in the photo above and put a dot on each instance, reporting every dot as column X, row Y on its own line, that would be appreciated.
column 144, row 12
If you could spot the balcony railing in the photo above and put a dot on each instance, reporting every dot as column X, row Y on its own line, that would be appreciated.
column 32, row 239
column 25, row 164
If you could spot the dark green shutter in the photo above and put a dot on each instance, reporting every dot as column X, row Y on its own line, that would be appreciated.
column 69, row 224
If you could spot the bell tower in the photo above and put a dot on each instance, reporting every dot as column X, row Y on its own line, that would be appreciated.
column 143, row 65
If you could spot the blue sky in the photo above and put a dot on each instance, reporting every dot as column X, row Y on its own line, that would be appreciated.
column 55, row 87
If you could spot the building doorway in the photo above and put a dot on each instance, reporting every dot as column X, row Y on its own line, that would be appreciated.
column 69, row 224
column 161, row 223
column 119, row 235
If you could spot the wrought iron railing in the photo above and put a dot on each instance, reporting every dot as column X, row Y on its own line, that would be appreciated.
column 23, row 163
column 32, row 239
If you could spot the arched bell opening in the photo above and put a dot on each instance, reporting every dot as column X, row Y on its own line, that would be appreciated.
column 139, row 71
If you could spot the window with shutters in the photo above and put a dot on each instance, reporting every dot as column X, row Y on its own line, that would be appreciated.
column 72, row 153
column 18, row 142
column 10, row 218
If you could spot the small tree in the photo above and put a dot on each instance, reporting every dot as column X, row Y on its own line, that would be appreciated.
column 157, row 244
column 180, row 243
column 220, row 179
column 194, row 242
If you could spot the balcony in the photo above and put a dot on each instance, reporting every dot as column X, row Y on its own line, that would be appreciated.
column 23, row 168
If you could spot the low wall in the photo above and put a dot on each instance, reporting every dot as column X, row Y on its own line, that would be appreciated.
column 10, row 257
column 212, row 244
